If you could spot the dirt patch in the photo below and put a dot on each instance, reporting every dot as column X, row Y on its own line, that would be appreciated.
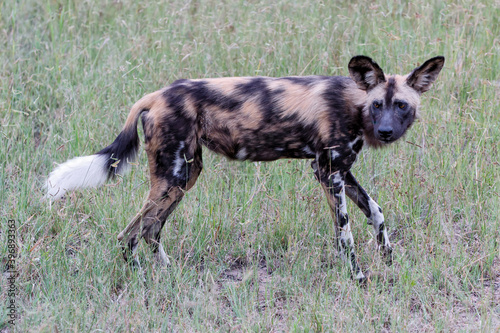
column 242, row 278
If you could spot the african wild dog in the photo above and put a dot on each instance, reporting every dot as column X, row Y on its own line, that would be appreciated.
column 323, row 118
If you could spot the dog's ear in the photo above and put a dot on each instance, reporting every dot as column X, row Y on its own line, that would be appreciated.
column 422, row 77
column 365, row 72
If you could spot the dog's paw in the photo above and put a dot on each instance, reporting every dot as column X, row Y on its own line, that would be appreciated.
column 387, row 254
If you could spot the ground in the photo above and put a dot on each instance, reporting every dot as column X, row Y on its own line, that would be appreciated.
column 251, row 244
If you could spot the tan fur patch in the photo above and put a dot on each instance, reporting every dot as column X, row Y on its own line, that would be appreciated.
column 402, row 92
column 146, row 103
column 251, row 117
column 225, row 85
column 355, row 97
column 376, row 93
column 305, row 103
column 406, row 93
column 190, row 108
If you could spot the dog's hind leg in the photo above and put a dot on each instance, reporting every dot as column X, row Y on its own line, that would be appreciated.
column 152, row 232
column 167, row 190
column 129, row 236
column 372, row 211
column 161, row 202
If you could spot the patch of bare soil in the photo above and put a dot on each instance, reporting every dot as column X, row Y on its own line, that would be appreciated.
column 491, row 294
column 484, row 301
column 262, row 279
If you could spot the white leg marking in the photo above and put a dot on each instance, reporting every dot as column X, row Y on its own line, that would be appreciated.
column 376, row 217
column 161, row 256
column 360, row 275
column 387, row 243
column 334, row 154
column 179, row 160
column 377, row 220
column 346, row 238
column 133, row 257
column 337, row 179
column 345, row 232
column 346, row 235
column 342, row 203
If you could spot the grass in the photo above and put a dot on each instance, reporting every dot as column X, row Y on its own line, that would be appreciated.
column 252, row 243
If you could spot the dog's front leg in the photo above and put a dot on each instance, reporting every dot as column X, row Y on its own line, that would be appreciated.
column 334, row 187
column 372, row 211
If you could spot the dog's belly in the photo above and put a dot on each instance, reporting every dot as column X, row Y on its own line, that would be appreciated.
column 259, row 146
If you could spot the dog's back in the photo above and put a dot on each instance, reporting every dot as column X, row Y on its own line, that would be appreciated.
column 260, row 118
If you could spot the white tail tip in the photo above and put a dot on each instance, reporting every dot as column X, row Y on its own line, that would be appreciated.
column 79, row 172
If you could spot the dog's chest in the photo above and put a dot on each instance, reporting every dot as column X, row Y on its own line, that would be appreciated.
column 343, row 156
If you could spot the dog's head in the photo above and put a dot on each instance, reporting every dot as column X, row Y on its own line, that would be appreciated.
column 392, row 100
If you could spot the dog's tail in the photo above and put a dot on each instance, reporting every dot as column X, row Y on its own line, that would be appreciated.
column 95, row 170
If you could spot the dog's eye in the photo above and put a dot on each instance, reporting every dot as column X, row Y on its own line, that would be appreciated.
column 402, row 105
column 376, row 105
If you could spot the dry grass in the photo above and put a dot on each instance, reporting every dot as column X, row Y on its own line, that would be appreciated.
column 251, row 244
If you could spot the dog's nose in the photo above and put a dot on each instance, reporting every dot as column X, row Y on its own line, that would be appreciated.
column 385, row 132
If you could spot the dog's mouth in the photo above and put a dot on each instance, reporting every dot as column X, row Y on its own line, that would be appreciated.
column 386, row 141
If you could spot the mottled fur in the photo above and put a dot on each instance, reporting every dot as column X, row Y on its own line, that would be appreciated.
column 323, row 118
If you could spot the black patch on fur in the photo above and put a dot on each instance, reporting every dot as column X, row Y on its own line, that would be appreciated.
column 254, row 87
column 357, row 146
column 380, row 235
column 391, row 89
column 204, row 96
column 175, row 99
column 357, row 194
column 430, row 69
column 146, row 128
column 350, row 127
column 343, row 220
column 257, row 89
column 359, row 66
column 333, row 95
column 304, row 80
column 122, row 150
